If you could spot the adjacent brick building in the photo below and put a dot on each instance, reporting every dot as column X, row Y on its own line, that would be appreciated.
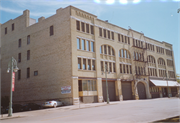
column 64, row 57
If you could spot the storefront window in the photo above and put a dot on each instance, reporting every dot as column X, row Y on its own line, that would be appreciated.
column 87, row 85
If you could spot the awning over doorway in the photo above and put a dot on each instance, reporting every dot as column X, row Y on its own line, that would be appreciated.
column 164, row 83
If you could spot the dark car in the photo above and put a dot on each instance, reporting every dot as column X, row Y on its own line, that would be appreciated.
column 31, row 106
column 15, row 108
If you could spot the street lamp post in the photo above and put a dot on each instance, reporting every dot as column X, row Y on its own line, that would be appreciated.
column 167, row 86
column 12, row 65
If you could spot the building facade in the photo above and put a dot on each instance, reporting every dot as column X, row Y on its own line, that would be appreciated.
column 69, row 55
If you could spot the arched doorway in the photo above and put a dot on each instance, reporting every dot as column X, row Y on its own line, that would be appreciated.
column 141, row 90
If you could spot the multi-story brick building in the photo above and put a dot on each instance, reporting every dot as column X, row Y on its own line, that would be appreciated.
column 65, row 56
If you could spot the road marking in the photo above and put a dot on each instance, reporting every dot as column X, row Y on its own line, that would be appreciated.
column 58, row 117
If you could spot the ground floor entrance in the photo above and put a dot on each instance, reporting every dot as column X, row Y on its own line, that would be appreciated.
column 141, row 90
column 111, row 90
column 126, row 90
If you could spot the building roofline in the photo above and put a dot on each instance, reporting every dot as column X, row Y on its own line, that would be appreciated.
column 81, row 10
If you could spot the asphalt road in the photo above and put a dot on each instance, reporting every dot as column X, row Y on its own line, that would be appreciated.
column 135, row 111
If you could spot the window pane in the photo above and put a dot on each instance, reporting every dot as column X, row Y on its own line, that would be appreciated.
column 79, row 63
column 87, row 46
column 83, row 44
column 89, row 64
column 82, row 27
column 87, row 28
column 93, row 65
column 122, row 53
column 92, row 46
column 77, row 25
column 84, row 64
column 84, row 85
column 89, row 85
column 110, row 68
column 78, row 43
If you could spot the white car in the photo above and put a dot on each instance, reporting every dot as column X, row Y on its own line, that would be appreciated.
column 52, row 104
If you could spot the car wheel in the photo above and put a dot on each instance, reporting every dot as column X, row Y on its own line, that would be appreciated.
column 55, row 105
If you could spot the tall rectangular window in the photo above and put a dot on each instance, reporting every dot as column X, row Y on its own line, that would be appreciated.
column 78, row 25
column 100, row 32
column 84, row 64
column 108, row 34
column 92, row 29
column 78, row 43
column 93, row 65
column 79, row 63
column 19, row 74
column 82, row 27
column 28, row 39
column 87, row 28
column 127, row 68
column 122, row 38
column 110, row 68
column 28, row 72
column 92, row 46
column 19, row 57
column 28, row 55
column 51, row 30
column 19, row 43
column 104, row 33
column 124, row 69
column 12, row 26
column 125, row 39
column 89, row 64
column 112, row 35
column 105, row 50
column 114, row 67
column 118, row 37
column 88, row 45
column 83, row 44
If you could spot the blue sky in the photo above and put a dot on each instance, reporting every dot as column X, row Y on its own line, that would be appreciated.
column 157, row 19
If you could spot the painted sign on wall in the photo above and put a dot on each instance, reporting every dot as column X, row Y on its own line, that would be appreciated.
column 65, row 89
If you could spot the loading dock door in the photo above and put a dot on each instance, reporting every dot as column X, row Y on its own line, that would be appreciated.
column 141, row 90
column 126, row 90
column 111, row 91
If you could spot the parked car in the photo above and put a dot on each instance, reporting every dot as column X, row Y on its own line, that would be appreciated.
column 31, row 106
column 17, row 107
column 52, row 103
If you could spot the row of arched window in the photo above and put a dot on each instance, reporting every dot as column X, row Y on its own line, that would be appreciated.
column 123, row 53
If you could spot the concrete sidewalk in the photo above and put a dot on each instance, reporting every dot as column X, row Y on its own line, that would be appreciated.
column 72, row 107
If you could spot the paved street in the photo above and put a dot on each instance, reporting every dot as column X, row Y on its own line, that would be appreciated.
column 133, row 111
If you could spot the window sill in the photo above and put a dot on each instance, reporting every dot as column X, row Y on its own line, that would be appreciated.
column 85, row 32
column 87, row 70
column 123, row 43
column 106, row 38
column 85, row 51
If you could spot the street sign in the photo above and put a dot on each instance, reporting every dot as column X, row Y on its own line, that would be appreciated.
column 13, row 80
